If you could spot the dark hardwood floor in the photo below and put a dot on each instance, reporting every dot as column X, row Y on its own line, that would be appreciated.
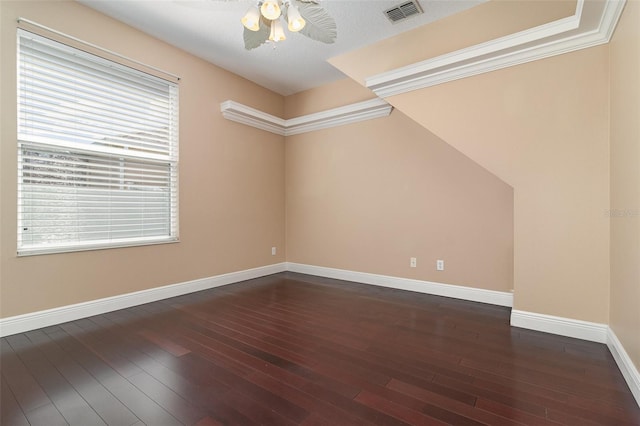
column 293, row 349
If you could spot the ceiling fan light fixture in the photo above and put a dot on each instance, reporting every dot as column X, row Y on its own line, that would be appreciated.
column 305, row 17
column 277, row 32
column 270, row 9
column 296, row 21
column 251, row 20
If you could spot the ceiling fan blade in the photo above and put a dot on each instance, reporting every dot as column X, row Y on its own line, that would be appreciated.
column 253, row 39
column 320, row 25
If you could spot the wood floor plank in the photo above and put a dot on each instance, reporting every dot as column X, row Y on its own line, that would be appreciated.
column 173, row 403
column 136, row 401
column 407, row 415
column 293, row 349
column 45, row 415
column 10, row 411
column 319, row 386
column 515, row 413
column 191, row 384
column 167, row 345
column 188, row 384
column 580, row 408
column 24, row 387
column 67, row 400
column 208, row 421
column 509, row 400
column 450, row 405
column 325, row 411
column 108, row 407
column 256, row 411
column 300, row 375
column 108, row 354
column 276, row 403
column 281, row 382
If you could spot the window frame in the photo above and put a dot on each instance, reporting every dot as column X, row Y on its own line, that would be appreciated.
column 168, row 161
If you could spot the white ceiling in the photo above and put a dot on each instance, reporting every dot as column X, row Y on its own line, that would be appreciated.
column 211, row 29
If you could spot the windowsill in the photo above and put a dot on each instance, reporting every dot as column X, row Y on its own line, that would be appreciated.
column 92, row 247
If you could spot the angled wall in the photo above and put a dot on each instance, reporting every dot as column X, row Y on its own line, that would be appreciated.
column 368, row 196
column 543, row 128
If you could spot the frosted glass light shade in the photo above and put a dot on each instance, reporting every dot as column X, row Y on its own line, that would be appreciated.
column 296, row 22
column 251, row 19
column 277, row 32
column 270, row 9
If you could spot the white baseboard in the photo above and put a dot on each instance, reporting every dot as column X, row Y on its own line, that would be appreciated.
column 626, row 366
column 591, row 331
column 458, row 292
column 35, row 320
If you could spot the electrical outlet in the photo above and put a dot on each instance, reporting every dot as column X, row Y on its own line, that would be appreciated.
column 413, row 262
column 273, row 251
column 440, row 265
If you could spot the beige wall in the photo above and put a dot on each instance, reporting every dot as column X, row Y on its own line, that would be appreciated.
column 370, row 195
column 333, row 95
column 542, row 127
column 231, row 177
column 625, row 181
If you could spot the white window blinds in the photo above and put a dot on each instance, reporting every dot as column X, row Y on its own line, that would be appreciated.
column 97, row 151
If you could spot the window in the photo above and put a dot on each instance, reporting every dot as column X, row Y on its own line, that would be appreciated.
column 97, row 151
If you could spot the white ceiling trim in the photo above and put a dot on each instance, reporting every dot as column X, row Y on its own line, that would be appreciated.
column 340, row 116
column 360, row 111
column 592, row 24
column 243, row 114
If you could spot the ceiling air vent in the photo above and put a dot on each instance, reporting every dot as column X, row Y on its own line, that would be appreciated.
column 403, row 11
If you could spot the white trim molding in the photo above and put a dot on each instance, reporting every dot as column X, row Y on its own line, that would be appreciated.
column 243, row 114
column 626, row 366
column 360, row 111
column 448, row 290
column 585, row 330
column 591, row 331
column 592, row 24
column 46, row 318
column 35, row 320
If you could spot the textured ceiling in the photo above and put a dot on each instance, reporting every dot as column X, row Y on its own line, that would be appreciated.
column 211, row 29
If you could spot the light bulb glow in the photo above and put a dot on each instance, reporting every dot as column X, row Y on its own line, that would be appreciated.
column 296, row 22
column 251, row 19
column 270, row 9
column 277, row 32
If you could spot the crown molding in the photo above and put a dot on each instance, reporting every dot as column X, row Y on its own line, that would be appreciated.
column 360, row 111
column 340, row 116
column 592, row 24
column 243, row 114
